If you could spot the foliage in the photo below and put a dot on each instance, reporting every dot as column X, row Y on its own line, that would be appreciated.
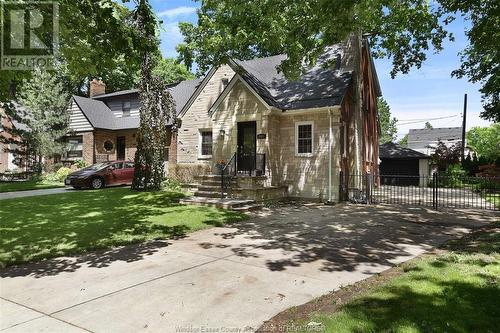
column 172, row 185
column 62, row 173
column 388, row 128
column 480, row 60
column 303, row 28
column 456, row 290
column 40, row 121
column 404, row 141
column 172, row 71
column 157, row 108
column 428, row 125
column 444, row 156
column 485, row 141
column 186, row 173
column 34, row 228
column 80, row 164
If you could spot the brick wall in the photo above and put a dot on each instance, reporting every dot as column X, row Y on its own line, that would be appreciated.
column 88, row 147
column 101, row 136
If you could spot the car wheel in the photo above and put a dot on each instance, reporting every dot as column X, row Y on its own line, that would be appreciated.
column 97, row 183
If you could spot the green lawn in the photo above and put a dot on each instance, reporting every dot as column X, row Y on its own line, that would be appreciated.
column 458, row 291
column 40, row 227
column 28, row 185
column 494, row 198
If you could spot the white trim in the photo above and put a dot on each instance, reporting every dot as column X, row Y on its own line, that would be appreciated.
column 200, row 140
column 230, row 86
column 334, row 108
column 297, row 124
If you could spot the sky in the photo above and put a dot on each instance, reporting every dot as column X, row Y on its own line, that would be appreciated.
column 422, row 95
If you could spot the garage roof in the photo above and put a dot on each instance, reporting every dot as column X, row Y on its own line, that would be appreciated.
column 391, row 150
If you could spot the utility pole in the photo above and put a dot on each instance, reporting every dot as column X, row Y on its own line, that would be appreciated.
column 463, row 128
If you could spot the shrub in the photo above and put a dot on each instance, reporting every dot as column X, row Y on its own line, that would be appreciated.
column 172, row 185
column 186, row 173
column 62, row 173
column 80, row 164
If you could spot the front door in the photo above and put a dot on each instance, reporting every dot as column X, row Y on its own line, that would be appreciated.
column 120, row 148
column 247, row 146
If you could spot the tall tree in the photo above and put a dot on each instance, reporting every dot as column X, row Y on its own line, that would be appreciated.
column 402, row 30
column 428, row 125
column 40, row 120
column 157, row 107
column 96, row 40
column 388, row 129
column 485, row 141
column 172, row 71
column 481, row 58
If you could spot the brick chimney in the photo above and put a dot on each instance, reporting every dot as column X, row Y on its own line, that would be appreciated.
column 97, row 87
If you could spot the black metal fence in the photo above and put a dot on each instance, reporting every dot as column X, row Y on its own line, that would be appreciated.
column 436, row 191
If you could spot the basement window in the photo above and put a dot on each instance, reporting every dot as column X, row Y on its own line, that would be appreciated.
column 304, row 138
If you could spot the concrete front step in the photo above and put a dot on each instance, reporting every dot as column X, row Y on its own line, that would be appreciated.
column 208, row 194
column 234, row 204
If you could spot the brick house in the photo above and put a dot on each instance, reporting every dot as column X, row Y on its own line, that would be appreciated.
column 103, row 126
column 8, row 161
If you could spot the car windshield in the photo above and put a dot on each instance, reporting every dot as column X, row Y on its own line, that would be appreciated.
column 99, row 166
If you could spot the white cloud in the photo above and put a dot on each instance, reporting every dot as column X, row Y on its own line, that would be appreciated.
column 170, row 38
column 178, row 11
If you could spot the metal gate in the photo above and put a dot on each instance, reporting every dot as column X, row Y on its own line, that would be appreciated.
column 436, row 191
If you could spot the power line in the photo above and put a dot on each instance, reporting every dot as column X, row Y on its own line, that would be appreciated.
column 416, row 121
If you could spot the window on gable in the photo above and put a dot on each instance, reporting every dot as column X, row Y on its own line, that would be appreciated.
column 206, row 143
column 304, row 138
column 126, row 108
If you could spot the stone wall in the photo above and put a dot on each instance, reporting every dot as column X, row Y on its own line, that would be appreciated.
column 197, row 117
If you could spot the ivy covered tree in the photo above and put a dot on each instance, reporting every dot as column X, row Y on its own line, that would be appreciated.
column 157, row 107
column 388, row 128
column 40, row 119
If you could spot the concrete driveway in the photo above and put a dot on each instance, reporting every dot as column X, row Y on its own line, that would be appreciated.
column 33, row 193
column 222, row 279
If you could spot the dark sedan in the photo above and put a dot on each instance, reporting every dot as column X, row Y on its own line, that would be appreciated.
column 102, row 174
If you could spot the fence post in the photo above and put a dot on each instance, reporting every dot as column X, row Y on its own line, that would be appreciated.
column 368, row 188
column 434, row 190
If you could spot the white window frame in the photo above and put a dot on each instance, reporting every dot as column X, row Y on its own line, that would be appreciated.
column 200, row 141
column 300, row 123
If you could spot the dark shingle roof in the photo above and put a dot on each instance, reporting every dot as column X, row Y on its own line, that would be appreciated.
column 100, row 115
column 182, row 91
column 322, row 85
column 435, row 134
column 392, row 150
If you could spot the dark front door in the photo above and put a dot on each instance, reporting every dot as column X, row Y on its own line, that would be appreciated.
column 120, row 148
column 247, row 146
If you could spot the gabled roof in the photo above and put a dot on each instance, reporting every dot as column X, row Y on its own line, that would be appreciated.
column 182, row 92
column 391, row 150
column 435, row 134
column 100, row 116
column 322, row 85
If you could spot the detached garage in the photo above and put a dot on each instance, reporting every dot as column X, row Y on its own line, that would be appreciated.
column 402, row 166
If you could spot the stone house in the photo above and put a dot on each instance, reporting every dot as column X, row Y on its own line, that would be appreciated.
column 281, row 137
column 293, row 135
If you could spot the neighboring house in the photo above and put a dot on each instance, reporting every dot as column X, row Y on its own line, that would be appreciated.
column 411, row 166
column 103, row 127
column 8, row 160
column 299, row 136
column 424, row 140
